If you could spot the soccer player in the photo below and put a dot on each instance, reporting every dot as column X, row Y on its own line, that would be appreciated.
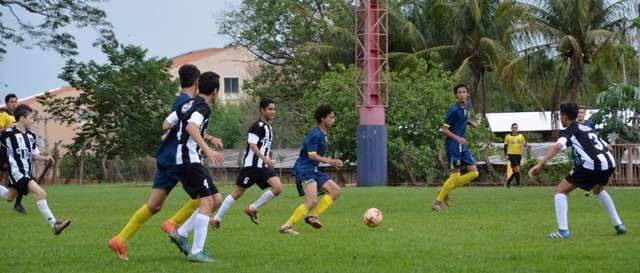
column 309, row 180
column 191, row 120
column 166, row 176
column 590, row 172
column 458, row 154
column 513, row 144
column 257, row 168
column 21, row 150
column 7, row 120
column 582, row 113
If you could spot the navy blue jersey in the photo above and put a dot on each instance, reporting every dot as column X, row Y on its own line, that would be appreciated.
column 314, row 142
column 456, row 120
column 166, row 155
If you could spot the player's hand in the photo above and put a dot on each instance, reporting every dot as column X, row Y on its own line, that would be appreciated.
column 269, row 162
column 462, row 141
column 216, row 142
column 534, row 170
column 473, row 123
column 336, row 163
column 216, row 157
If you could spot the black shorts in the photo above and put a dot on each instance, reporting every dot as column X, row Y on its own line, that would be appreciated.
column 253, row 175
column 587, row 179
column 196, row 180
column 515, row 160
column 21, row 186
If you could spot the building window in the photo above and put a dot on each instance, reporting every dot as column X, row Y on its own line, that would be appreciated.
column 231, row 85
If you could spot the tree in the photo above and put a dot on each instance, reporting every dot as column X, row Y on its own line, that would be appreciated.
column 573, row 32
column 121, row 105
column 52, row 31
column 619, row 112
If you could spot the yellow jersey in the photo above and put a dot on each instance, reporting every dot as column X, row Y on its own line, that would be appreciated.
column 6, row 120
column 514, row 143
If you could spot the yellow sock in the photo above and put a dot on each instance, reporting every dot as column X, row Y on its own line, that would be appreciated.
column 297, row 215
column 185, row 212
column 136, row 221
column 324, row 203
column 448, row 186
column 466, row 178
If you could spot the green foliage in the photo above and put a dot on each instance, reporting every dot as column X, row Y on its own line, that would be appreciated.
column 70, row 166
column 619, row 112
column 226, row 124
column 121, row 104
column 551, row 174
column 56, row 17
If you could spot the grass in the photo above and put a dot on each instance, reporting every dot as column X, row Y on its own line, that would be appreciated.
column 487, row 230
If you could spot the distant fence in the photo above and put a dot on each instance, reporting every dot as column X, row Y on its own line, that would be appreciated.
column 628, row 164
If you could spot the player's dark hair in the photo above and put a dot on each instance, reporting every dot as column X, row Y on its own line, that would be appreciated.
column 9, row 97
column 582, row 107
column 188, row 75
column 455, row 88
column 322, row 112
column 514, row 124
column 208, row 83
column 264, row 103
column 570, row 110
column 22, row 111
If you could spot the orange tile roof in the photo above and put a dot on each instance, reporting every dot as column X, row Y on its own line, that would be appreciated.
column 195, row 55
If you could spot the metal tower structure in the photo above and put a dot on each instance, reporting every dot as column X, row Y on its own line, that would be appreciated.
column 372, row 88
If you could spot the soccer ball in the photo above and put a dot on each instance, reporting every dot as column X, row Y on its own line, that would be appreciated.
column 372, row 217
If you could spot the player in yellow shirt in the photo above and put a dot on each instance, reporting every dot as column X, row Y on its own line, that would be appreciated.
column 513, row 144
column 7, row 120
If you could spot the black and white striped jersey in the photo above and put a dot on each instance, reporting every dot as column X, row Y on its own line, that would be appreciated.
column 588, row 149
column 195, row 111
column 261, row 134
column 21, row 146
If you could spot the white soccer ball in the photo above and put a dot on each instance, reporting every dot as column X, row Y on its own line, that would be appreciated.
column 372, row 217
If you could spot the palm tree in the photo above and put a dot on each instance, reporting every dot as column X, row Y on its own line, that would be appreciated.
column 469, row 36
column 570, row 31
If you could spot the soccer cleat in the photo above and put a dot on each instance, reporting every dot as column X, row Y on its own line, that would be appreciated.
column 19, row 208
column 215, row 223
column 313, row 221
column 446, row 200
column 119, row 248
column 59, row 226
column 200, row 257
column 288, row 230
column 436, row 206
column 620, row 229
column 253, row 215
column 168, row 227
column 560, row 234
column 180, row 241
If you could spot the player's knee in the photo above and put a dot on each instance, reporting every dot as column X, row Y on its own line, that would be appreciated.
column 40, row 194
column 276, row 190
column 335, row 193
column 237, row 193
column 216, row 201
column 311, row 202
column 154, row 208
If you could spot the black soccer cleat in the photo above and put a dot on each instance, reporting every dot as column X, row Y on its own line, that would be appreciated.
column 59, row 226
column 313, row 221
column 19, row 208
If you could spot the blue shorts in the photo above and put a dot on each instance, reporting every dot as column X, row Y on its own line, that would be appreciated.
column 459, row 156
column 304, row 178
column 166, row 178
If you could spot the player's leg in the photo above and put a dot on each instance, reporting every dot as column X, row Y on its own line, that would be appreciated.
column 200, row 184
column 18, row 205
column 610, row 208
column 41, row 202
column 8, row 194
column 562, row 207
column 516, row 173
column 453, row 157
column 226, row 205
column 472, row 170
column 332, row 191
column 185, row 211
column 272, row 187
column 309, row 189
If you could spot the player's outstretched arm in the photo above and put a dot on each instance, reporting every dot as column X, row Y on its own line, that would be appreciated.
column 549, row 155
column 445, row 130
column 322, row 159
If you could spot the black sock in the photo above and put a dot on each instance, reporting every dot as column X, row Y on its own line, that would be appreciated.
column 517, row 178
column 18, row 200
column 510, row 179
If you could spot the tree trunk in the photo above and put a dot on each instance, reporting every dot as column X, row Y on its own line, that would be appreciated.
column 624, row 69
column 576, row 79
column 103, row 164
column 476, row 94
column 407, row 165
column 82, row 157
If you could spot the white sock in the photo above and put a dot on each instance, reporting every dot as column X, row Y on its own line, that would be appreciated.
column 200, row 232
column 561, row 211
column 46, row 212
column 226, row 205
column 264, row 198
column 3, row 191
column 187, row 227
column 607, row 204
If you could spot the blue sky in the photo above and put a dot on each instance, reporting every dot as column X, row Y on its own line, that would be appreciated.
column 166, row 28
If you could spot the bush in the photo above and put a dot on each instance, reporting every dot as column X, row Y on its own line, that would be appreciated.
column 552, row 173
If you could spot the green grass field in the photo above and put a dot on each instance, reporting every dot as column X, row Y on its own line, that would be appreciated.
column 487, row 230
